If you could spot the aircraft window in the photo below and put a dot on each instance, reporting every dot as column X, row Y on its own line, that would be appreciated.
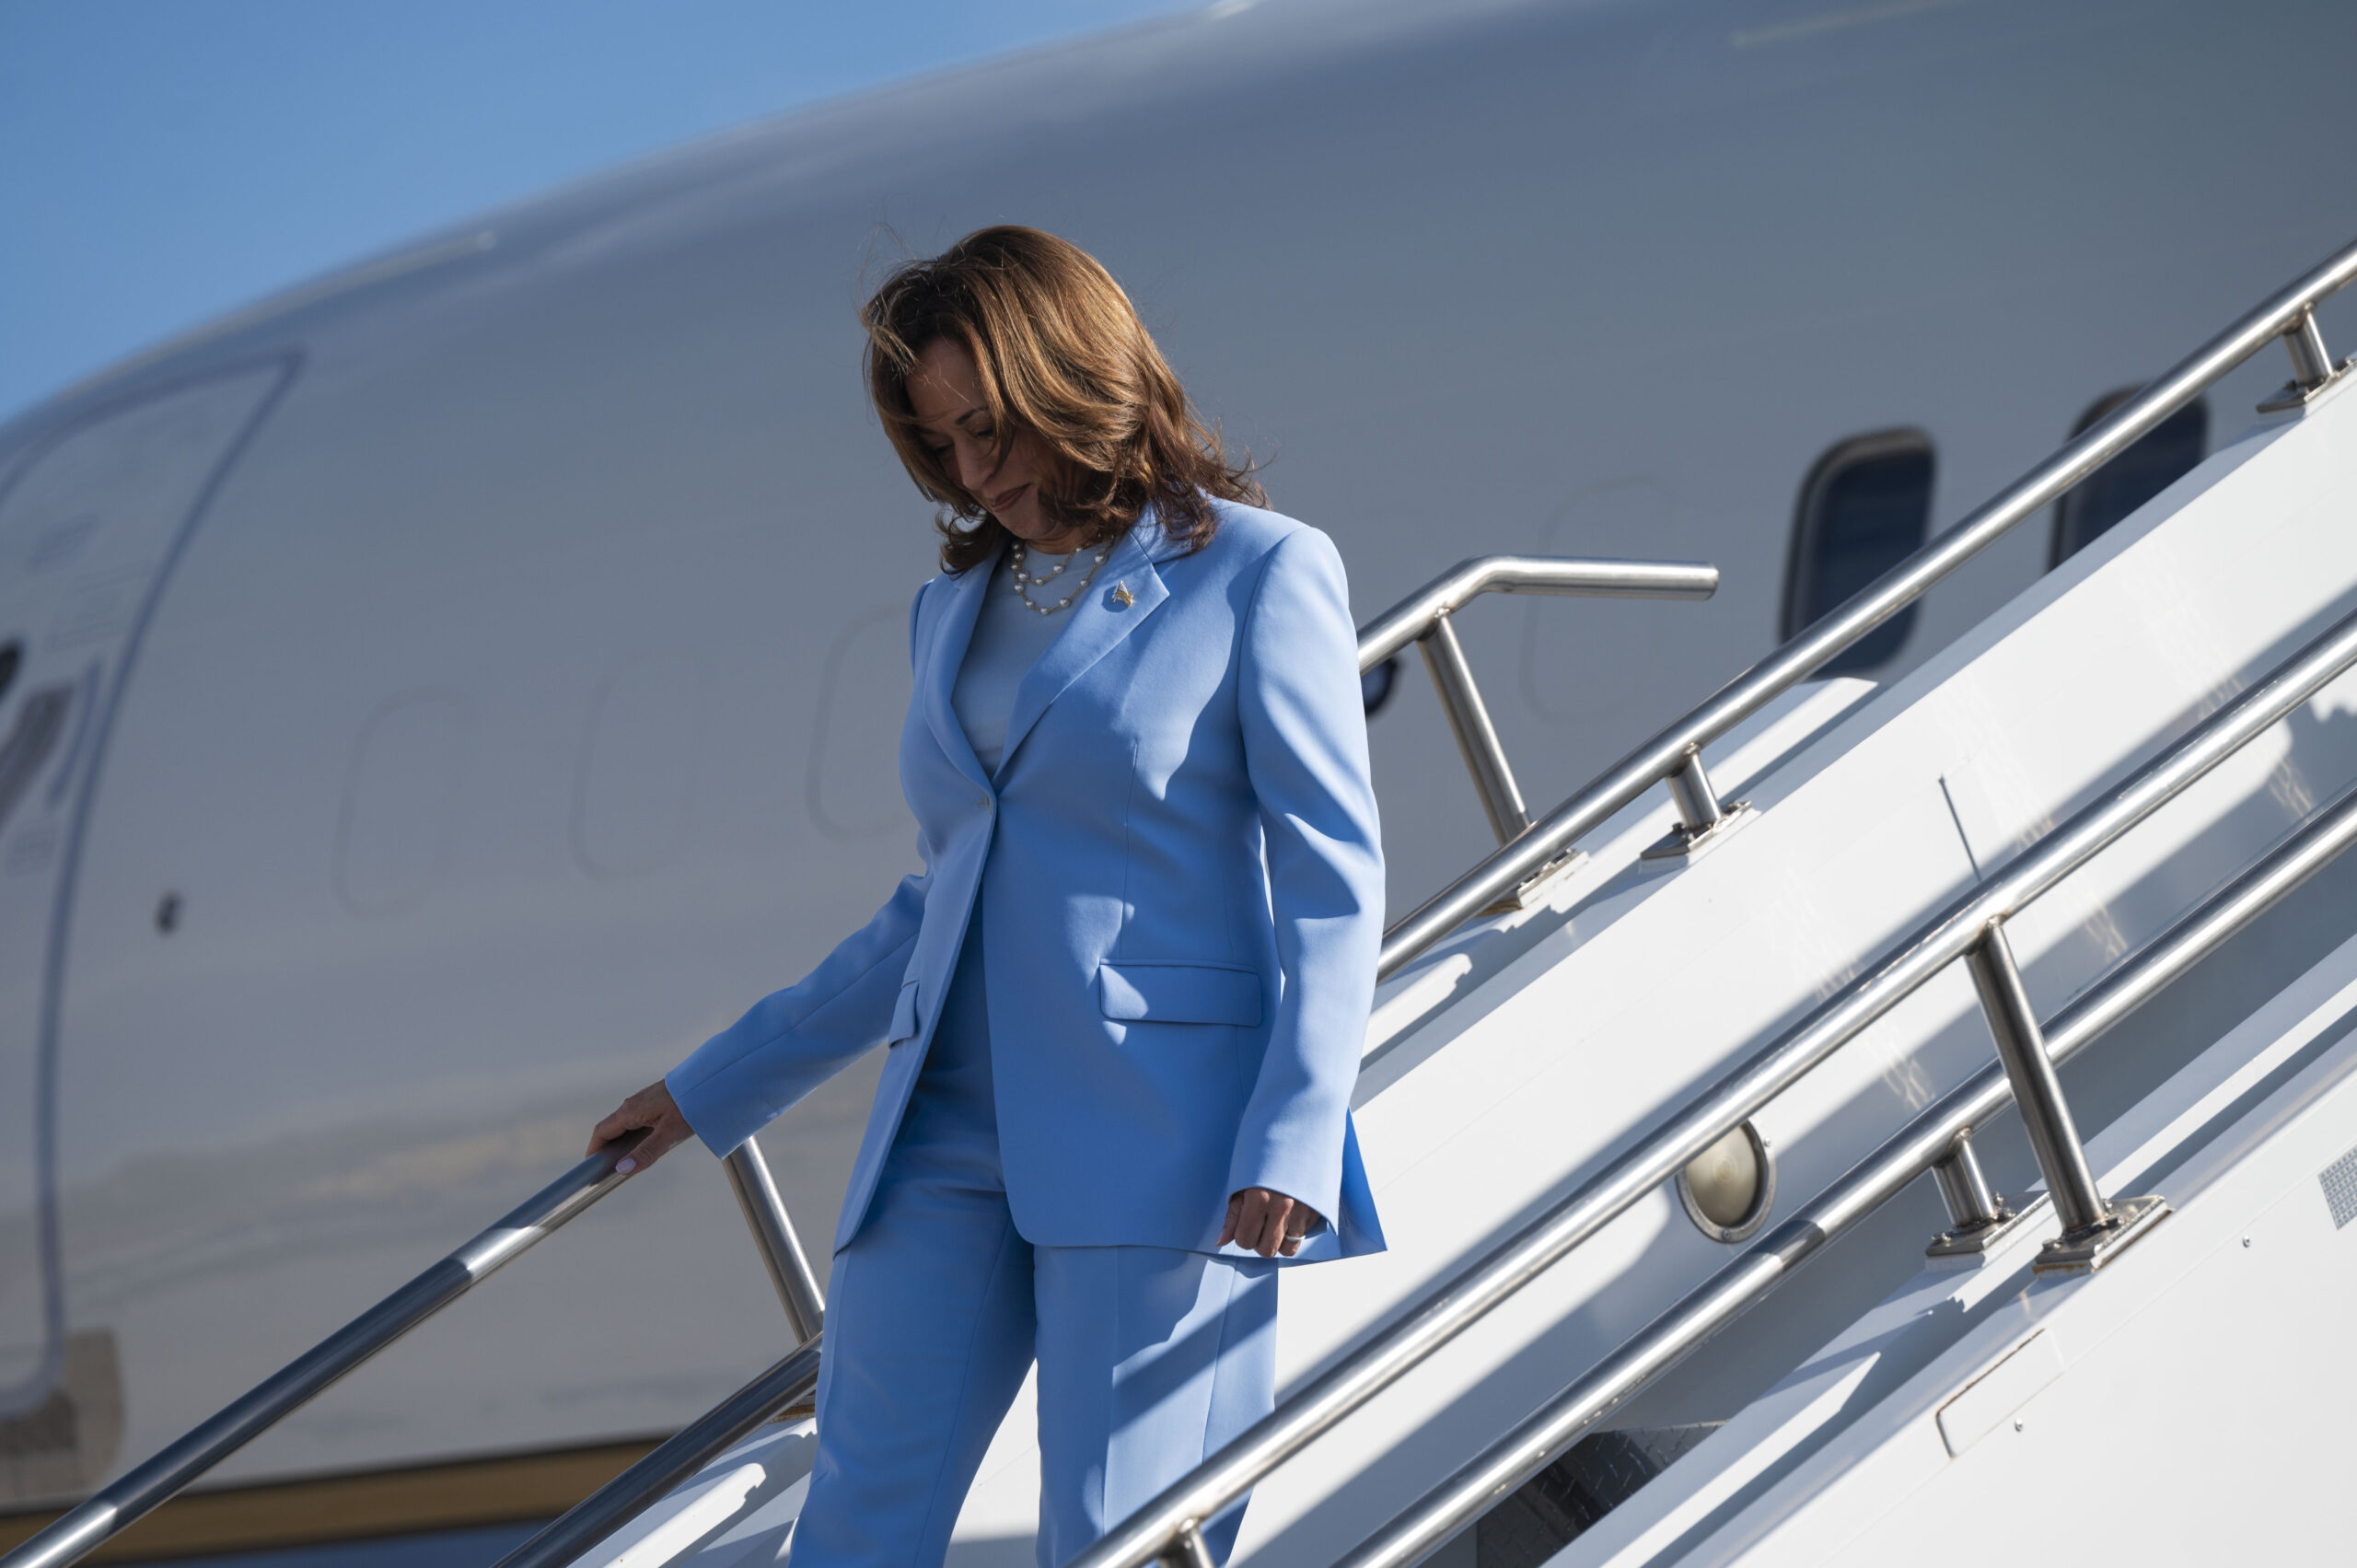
column 1864, row 507
column 2165, row 454
column 41, row 720
column 11, row 655
column 1375, row 685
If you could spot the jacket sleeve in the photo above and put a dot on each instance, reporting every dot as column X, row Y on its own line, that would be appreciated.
column 1304, row 748
column 792, row 1040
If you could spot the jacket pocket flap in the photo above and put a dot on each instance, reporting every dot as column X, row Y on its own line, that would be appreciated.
column 1166, row 992
column 904, row 1015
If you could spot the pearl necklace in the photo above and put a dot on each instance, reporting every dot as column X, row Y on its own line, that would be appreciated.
column 1024, row 582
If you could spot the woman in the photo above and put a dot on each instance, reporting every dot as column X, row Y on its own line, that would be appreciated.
column 1124, row 1003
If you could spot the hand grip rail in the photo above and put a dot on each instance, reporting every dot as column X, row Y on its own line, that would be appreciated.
column 1975, row 917
column 1424, row 618
column 114, row 1509
column 1569, row 575
column 1917, row 1148
column 1677, row 751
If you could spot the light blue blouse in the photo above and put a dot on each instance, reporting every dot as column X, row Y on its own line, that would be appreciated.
column 1009, row 638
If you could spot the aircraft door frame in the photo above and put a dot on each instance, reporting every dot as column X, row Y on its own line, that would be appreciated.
column 94, row 517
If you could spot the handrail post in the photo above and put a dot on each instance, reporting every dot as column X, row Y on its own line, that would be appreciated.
column 2092, row 1229
column 1477, row 738
column 773, row 1238
column 1703, row 818
column 1977, row 1212
column 2312, row 367
column 2311, row 361
column 1188, row 1548
column 1698, row 803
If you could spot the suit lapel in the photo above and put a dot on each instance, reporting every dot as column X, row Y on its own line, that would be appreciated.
column 1124, row 593
column 953, row 632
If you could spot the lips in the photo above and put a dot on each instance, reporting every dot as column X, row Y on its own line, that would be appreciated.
column 1001, row 503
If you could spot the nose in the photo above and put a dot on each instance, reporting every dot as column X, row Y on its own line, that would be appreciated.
column 974, row 466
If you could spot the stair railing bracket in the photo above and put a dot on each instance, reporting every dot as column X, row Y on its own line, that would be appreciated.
column 1703, row 820
column 1538, row 886
column 1188, row 1548
column 2085, row 1250
column 1979, row 1215
column 1683, row 845
column 2312, row 367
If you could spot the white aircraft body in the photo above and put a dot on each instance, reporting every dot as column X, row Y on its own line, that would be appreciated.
column 434, row 700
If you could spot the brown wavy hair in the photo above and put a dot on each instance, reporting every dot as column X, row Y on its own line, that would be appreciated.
column 1064, row 358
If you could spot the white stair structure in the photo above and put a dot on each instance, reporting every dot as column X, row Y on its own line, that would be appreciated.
column 1512, row 1060
column 2213, row 1350
column 2013, row 832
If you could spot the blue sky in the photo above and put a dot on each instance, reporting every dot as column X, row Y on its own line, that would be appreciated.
column 165, row 161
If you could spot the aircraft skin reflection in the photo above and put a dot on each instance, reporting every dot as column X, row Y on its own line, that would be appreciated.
column 499, row 648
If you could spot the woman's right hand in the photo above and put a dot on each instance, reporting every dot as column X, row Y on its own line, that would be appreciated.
column 652, row 1109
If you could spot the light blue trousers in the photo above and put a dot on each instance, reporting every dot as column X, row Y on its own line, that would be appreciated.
column 1150, row 1359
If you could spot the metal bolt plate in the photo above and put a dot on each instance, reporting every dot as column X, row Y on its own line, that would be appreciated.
column 1683, row 844
column 2132, row 1217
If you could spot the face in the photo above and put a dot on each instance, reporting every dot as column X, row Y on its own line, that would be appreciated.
column 945, row 393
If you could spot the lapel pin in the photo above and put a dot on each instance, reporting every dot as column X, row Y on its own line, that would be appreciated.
column 1122, row 596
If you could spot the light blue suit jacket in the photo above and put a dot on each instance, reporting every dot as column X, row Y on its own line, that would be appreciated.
column 1172, row 1016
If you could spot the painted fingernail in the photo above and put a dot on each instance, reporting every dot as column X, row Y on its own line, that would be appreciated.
column 626, row 1167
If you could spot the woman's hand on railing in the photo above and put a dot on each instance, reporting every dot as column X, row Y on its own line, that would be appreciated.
column 653, row 1109
column 1268, row 1222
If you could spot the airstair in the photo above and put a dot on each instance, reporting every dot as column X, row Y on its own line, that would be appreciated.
column 1728, row 1120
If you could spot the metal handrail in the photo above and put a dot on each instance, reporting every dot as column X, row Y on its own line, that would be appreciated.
column 1424, row 618
column 1916, row 1149
column 626, row 1496
column 1575, row 577
column 1972, row 920
column 114, row 1509
column 1674, row 754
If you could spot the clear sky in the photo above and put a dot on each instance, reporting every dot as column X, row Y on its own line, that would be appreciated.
column 165, row 161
